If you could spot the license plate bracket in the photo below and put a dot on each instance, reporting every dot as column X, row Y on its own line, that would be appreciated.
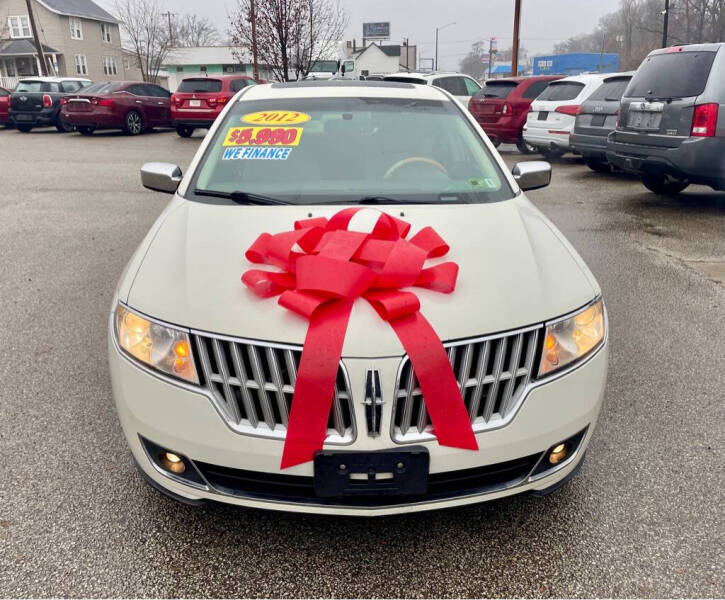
column 644, row 120
column 195, row 103
column 384, row 473
column 598, row 120
column 543, row 115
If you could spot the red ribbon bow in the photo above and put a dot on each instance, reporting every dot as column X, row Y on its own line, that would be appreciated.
column 325, row 267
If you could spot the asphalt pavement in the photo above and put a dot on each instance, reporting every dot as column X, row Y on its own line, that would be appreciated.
column 645, row 516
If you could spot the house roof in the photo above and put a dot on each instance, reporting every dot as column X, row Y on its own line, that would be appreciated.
column 387, row 50
column 86, row 9
column 21, row 48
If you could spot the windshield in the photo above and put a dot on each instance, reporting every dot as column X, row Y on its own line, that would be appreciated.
column 567, row 90
column 654, row 76
column 497, row 89
column 324, row 66
column 30, row 86
column 200, row 86
column 102, row 88
column 611, row 89
column 341, row 150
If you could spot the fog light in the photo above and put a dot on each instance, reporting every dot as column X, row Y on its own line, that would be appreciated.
column 173, row 462
column 558, row 454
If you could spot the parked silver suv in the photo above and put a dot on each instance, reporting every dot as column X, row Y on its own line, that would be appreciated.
column 671, row 127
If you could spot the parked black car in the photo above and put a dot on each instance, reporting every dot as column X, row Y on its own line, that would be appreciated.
column 36, row 101
column 597, row 119
column 671, row 127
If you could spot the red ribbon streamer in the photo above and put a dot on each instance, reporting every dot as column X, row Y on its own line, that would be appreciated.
column 325, row 267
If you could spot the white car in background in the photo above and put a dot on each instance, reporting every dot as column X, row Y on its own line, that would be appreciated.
column 553, row 114
column 461, row 86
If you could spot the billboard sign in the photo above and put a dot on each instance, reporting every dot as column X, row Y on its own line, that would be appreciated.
column 377, row 31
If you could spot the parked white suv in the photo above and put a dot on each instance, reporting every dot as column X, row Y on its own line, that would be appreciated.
column 461, row 86
column 409, row 331
column 553, row 114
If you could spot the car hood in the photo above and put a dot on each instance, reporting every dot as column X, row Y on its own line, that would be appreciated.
column 515, row 270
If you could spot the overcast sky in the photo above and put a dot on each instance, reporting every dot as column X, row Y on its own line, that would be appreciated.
column 543, row 22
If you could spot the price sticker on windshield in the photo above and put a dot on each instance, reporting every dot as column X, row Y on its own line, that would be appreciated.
column 263, row 136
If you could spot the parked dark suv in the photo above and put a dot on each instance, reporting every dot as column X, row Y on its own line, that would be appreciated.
column 596, row 120
column 671, row 127
column 36, row 101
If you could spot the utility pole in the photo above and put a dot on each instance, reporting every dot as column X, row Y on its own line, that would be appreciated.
column 168, row 15
column 515, row 45
column 38, row 46
column 666, row 23
column 435, row 68
column 490, row 57
column 253, row 19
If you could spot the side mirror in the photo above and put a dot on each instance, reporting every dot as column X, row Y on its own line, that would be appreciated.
column 532, row 175
column 161, row 177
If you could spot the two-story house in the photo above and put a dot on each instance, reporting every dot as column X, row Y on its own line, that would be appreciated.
column 78, row 38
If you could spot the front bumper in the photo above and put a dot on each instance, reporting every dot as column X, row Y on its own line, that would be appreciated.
column 184, row 419
column 698, row 160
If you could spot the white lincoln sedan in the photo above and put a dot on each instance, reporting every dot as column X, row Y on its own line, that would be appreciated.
column 349, row 306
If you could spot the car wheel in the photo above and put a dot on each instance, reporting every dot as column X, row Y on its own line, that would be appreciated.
column 661, row 184
column 24, row 128
column 133, row 125
column 599, row 166
column 184, row 131
column 524, row 147
column 496, row 142
column 86, row 129
column 63, row 126
column 550, row 153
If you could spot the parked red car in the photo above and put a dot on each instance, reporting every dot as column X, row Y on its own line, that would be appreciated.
column 199, row 100
column 133, row 106
column 4, row 107
column 501, row 106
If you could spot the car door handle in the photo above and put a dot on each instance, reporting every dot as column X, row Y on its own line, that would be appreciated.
column 139, row 101
column 161, row 103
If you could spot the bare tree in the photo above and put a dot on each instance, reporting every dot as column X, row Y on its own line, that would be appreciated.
column 194, row 31
column 146, row 33
column 291, row 34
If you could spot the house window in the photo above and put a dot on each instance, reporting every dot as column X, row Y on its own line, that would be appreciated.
column 81, row 65
column 179, row 69
column 19, row 26
column 109, row 65
column 76, row 28
column 106, row 33
column 126, row 64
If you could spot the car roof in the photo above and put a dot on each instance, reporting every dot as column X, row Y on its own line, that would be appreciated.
column 53, row 79
column 349, row 88
column 585, row 77
column 219, row 76
column 524, row 78
column 714, row 47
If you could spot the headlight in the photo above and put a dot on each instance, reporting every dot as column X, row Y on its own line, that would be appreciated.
column 159, row 346
column 571, row 339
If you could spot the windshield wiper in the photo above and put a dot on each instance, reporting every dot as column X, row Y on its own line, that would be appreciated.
column 241, row 197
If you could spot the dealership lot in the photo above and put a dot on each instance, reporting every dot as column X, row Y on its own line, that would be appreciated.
column 644, row 517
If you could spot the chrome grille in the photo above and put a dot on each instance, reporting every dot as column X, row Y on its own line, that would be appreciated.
column 252, row 384
column 492, row 373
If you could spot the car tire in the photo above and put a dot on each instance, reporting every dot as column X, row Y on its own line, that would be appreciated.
column 661, row 184
column 184, row 131
column 525, row 148
column 496, row 142
column 63, row 126
column 86, row 129
column 598, row 166
column 133, row 123
column 550, row 153
column 24, row 128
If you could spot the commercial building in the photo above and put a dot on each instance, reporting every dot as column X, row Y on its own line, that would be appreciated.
column 575, row 63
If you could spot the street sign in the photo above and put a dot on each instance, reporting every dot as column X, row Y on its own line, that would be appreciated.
column 379, row 31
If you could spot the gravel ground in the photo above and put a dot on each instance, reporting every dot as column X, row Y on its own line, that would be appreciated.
column 645, row 517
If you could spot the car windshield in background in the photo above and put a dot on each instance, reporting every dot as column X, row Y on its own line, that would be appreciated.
column 655, row 79
column 200, row 86
column 30, row 86
column 349, row 150
column 405, row 79
column 556, row 91
column 612, row 89
column 496, row 89
column 102, row 88
column 324, row 66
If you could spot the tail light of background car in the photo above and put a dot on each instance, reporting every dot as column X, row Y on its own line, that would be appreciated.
column 507, row 109
column 215, row 101
column 107, row 102
column 569, row 109
column 47, row 101
column 176, row 100
column 63, row 101
column 704, row 121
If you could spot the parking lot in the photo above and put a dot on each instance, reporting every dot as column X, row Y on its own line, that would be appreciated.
column 645, row 516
